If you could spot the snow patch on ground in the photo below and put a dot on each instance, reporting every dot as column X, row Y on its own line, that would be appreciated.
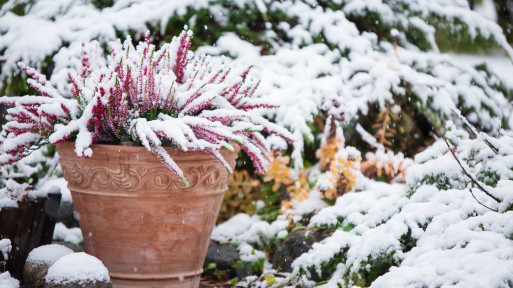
column 6, row 281
column 71, row 235
column 235, row 226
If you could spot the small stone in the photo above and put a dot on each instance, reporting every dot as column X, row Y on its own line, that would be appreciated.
column 67, row 214
column 78, row 270
column 223, row 255
column 38, row 262
column 296, row 244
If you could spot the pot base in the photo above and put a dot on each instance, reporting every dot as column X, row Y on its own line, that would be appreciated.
column 186, row 282
column 139, row 218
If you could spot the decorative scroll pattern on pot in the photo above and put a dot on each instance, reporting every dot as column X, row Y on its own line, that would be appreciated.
column 135, row 178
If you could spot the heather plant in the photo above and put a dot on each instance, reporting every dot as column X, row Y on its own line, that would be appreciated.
column 155, row 97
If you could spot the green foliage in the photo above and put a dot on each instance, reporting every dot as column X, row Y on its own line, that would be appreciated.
column 271, row 210
column 101, row 4
column 407, row 241
column 211, row 269
column 454, row 37
column 327, row 268
column 440, row 181
column 377, row 267
column 252, row 268
column 20, row 7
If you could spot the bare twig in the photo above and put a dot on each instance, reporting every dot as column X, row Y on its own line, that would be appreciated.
column 468, row 173
column 472, row 193
column 478, row 134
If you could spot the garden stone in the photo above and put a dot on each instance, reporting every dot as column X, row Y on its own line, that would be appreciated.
column 68, row 215
column 223, row 255
column 78, row 270
column 38, row 262
column 296, row 244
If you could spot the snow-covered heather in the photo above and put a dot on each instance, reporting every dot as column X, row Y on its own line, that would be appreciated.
column 11, row 188
column 71, row 235
column 77, row 268
column 48, row 254
column 6, row 281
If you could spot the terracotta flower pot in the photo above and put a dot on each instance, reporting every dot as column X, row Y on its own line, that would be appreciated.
column 139, row 218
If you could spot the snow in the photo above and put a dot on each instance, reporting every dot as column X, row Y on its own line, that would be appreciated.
column 48, row 254
column 248, row 254
column 71, row 235
column 5, row 248
column 501, row 65
column 53, row 184
column 77, row 268
column 235, row 226
column 462, row 253
column 6, row 281
column 486, row 8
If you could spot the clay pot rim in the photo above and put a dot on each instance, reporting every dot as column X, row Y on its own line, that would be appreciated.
column 111, row 150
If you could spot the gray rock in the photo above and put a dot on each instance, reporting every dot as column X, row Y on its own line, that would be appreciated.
column 68, row 215
column 223, row 255
column 296, row 244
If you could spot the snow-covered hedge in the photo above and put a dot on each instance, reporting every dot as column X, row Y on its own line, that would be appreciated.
column 436, row 230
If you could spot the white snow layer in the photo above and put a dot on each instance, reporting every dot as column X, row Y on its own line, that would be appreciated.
column 5, row 247
column 48, row 254
column 6, row 281
column 71, row 235
column 77, row 268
